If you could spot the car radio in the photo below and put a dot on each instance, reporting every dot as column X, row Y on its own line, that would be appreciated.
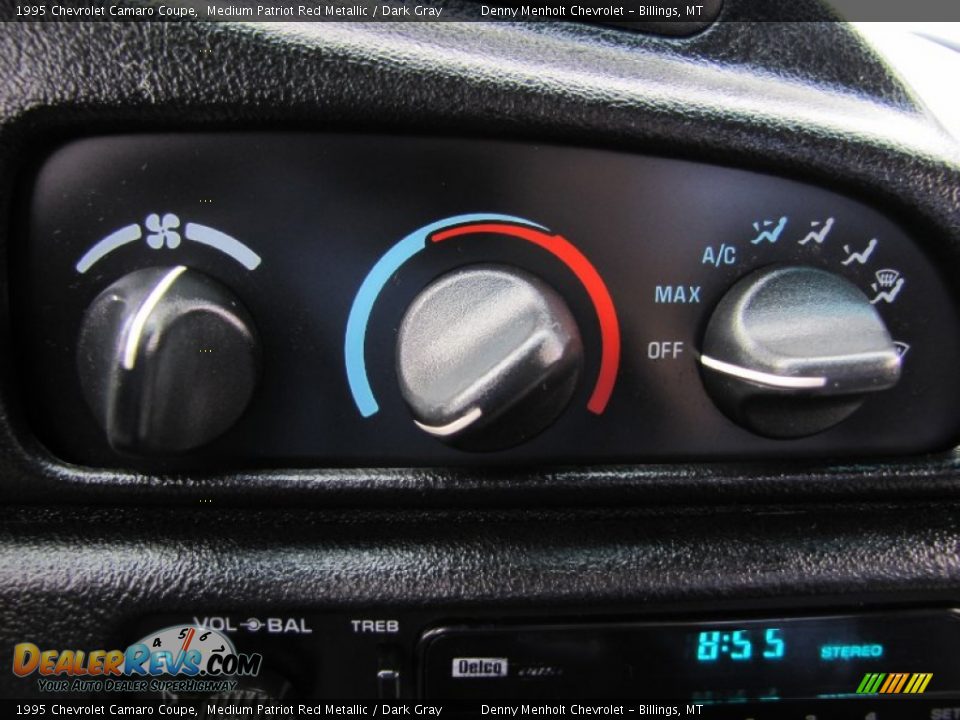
column 750, row 664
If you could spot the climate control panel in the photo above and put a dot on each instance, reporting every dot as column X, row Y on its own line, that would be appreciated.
column 269, row 300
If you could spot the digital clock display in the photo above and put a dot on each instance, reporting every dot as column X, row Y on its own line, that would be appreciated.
column 740, row 644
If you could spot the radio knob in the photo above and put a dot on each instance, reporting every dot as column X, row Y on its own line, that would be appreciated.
column 168, row 360
column 792, row 351
column 487, row 357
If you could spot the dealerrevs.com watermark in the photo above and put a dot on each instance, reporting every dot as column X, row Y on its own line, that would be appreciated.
column 176, row 659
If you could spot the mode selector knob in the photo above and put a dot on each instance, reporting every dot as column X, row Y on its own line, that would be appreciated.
column 487, row 357
column 168, row 360
column 792, row 351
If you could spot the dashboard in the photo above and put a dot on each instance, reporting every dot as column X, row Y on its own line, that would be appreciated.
column 478, row 362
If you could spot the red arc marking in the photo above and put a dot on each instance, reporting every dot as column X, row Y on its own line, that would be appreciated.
column 567, row 253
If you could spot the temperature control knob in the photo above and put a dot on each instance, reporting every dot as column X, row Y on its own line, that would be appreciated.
column 487, row 357
column 168, row 360
column 792, row 351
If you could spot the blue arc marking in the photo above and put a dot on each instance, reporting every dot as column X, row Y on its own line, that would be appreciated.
column 379, row 275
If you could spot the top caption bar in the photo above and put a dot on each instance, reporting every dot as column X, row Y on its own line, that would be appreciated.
column 666, row 18
column 654, row 16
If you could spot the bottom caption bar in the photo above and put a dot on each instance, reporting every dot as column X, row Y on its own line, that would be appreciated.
column 846, row 709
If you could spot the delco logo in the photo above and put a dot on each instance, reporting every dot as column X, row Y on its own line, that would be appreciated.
column 479, row 667
column 177, row 650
